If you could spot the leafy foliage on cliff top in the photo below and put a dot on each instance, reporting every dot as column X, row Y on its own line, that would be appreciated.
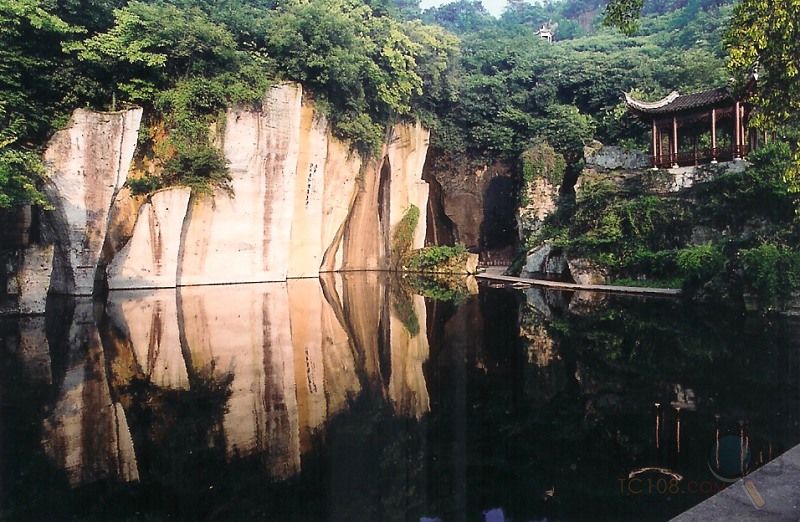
column 515, row 88
column 185, row 61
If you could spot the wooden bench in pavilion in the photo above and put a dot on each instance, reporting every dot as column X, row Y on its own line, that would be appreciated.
column 690, row 129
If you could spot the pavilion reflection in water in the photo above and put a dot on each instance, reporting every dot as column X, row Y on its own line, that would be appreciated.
column 290, row 355
column 240, row 387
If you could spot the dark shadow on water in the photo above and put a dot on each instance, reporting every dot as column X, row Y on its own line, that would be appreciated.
column 390, row 406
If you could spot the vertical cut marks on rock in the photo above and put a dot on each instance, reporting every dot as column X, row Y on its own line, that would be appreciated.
column 150, row 258
column 363, row 235
column 340, row 190
column 244, row 237
column 307, row 237
column 406, row 152
column 87, row 163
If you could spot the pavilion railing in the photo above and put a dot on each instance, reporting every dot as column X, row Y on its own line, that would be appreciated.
column 699, row 156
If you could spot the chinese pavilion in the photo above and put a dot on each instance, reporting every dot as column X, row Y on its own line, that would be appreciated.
column 690, row 129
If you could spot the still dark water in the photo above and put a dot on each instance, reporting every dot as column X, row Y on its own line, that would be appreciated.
column 355, row 398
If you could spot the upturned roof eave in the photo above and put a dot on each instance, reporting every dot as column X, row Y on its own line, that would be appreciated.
column 675, row 103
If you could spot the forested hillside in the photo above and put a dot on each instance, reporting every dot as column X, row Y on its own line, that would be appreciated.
column 484, row 86
column 489, row 89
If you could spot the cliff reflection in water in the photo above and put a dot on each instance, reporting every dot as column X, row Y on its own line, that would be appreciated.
column 353, row 397
column 284, row 357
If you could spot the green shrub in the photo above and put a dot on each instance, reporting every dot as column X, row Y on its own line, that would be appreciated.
column 772, row 271
column 433, row 257
column 144, row 185
column 698, row 264
column 20, row 173
column 199, row 166
column 403, row 237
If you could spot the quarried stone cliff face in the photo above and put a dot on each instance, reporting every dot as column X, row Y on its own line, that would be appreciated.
column 301, row 203
column 87, row 163
column 244, row 237
column 149, row 259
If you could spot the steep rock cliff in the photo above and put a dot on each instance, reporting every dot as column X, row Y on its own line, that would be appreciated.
column 244, row 237
column 149, row 259
column 87, row 163
column 302, row 203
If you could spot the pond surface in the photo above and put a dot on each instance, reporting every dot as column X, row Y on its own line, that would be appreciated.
column 355, row 398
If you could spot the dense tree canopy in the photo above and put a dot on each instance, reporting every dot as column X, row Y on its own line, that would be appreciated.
column 485, row 86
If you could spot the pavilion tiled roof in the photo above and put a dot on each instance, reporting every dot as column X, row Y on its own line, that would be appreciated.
column 675, row 102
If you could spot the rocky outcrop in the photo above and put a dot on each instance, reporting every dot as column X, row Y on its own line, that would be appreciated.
column 466, row 208
column 610, row 157
column 301, row 202
column 585, row 272
column 87, row 163
column 629, row 171
column 405, row 157
column 545, row 260
column 540, row 197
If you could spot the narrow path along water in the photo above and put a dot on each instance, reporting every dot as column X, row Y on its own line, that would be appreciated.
column 575, row 286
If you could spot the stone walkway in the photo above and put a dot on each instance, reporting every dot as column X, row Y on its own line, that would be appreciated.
column 771, row 493
column 493, row 276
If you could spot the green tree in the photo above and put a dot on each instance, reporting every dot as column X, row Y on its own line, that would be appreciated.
column 764, row 35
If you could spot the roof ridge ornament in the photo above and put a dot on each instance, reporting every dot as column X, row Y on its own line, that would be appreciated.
column 669, row 98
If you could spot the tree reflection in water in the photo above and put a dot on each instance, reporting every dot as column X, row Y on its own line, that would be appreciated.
column 353, row 398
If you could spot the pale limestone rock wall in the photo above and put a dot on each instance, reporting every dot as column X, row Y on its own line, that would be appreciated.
column 302, row 202
column 406, row 154
column 149, row 259
column 244, row 237
column 342, row 170
column 367, row 237
column 306, row 246
column 364, row 245
column 87, row 163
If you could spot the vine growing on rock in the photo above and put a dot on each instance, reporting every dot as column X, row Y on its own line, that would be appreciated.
column 403, row 237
